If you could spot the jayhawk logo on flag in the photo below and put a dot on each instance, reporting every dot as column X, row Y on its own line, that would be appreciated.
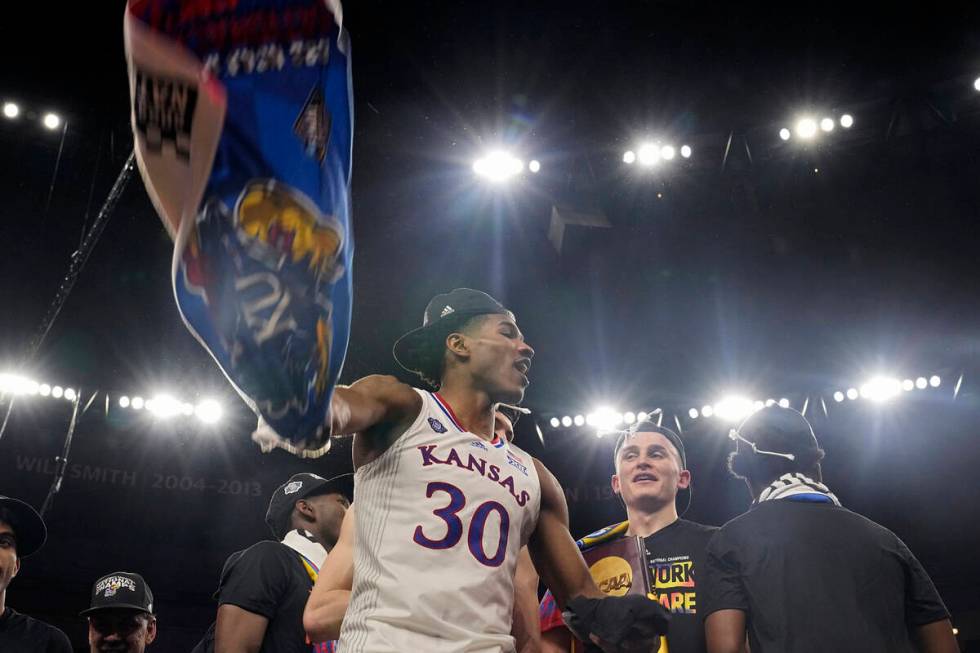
column 243, row 124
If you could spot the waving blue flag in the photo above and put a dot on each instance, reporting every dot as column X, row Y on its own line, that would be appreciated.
column 242, row 118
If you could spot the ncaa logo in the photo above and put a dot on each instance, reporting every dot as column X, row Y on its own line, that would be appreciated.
column 436, row 425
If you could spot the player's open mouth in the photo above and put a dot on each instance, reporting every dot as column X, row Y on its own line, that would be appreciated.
column 641, row 478
column 523, row 366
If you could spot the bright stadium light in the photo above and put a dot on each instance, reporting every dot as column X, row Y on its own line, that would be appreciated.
column 629, row 156
column 852, row 393
column 770, row 402
column 827, row 124
column 629, row 417
column 881, row 388
column 648, row 154
column 734, row 408
column 124, row 402
column 208, row 411
column 534, row 165
column 838, row 396
column 137, row 403
column 759, row 405
column 784, row 134
column 693, row 413
column 667, row 152
column 846, row 121
column 921, row 383
column 708, row 410
column 566, row 421
column 164, row 406
column 555, row 422
column 686, row 151
column 579, row 420
column 976, row 83
column 605, row 418
column 908, row 385
column 70, row 394
column 14, row 384
column 498, row 166
column 784, row 403
column 806, row 128
column 57, row 392
column 11, row 110
column 52, row 121
column 45, row 390
column 641, row 416
column 934, row 380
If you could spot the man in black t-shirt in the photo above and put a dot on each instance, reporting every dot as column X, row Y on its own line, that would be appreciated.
column 263, row 590
column 651, row 468
column 802, row 574
column 22, row 532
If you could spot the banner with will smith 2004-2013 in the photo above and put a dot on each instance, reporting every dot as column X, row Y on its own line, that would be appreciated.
column 242, row 118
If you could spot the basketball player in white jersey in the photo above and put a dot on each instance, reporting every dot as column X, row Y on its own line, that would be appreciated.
column 443, row 506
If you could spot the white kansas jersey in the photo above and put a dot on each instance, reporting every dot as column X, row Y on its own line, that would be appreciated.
column 441, row 517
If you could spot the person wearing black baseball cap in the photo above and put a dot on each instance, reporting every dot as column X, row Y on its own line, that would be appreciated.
column 444, row 507
column 120, row 617
column 650, row 470
column 802, row 574
column 263, row 589
column 22, row 532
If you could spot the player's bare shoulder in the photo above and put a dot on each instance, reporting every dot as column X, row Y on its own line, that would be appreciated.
column 377, row 409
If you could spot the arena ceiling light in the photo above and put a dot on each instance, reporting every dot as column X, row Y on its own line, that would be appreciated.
column 209, row 411
column 17, row 385
column 51, row 120
column 976, row 83
column 734, row 408
column 11, row 110
column 847, row 121
column 498, row 166
column 881, row 388
column 806, row 128
column 604, row 418
column 827, row 125
column 164, row 406
column 534, row 166
column 648, row 155
column 785, row 134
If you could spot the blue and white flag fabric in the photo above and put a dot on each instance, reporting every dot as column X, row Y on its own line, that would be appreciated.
column 243, row 124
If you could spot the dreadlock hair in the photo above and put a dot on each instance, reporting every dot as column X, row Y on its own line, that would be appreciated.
column 433, row 351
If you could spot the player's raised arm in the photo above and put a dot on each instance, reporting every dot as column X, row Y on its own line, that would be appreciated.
column 372, row 401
